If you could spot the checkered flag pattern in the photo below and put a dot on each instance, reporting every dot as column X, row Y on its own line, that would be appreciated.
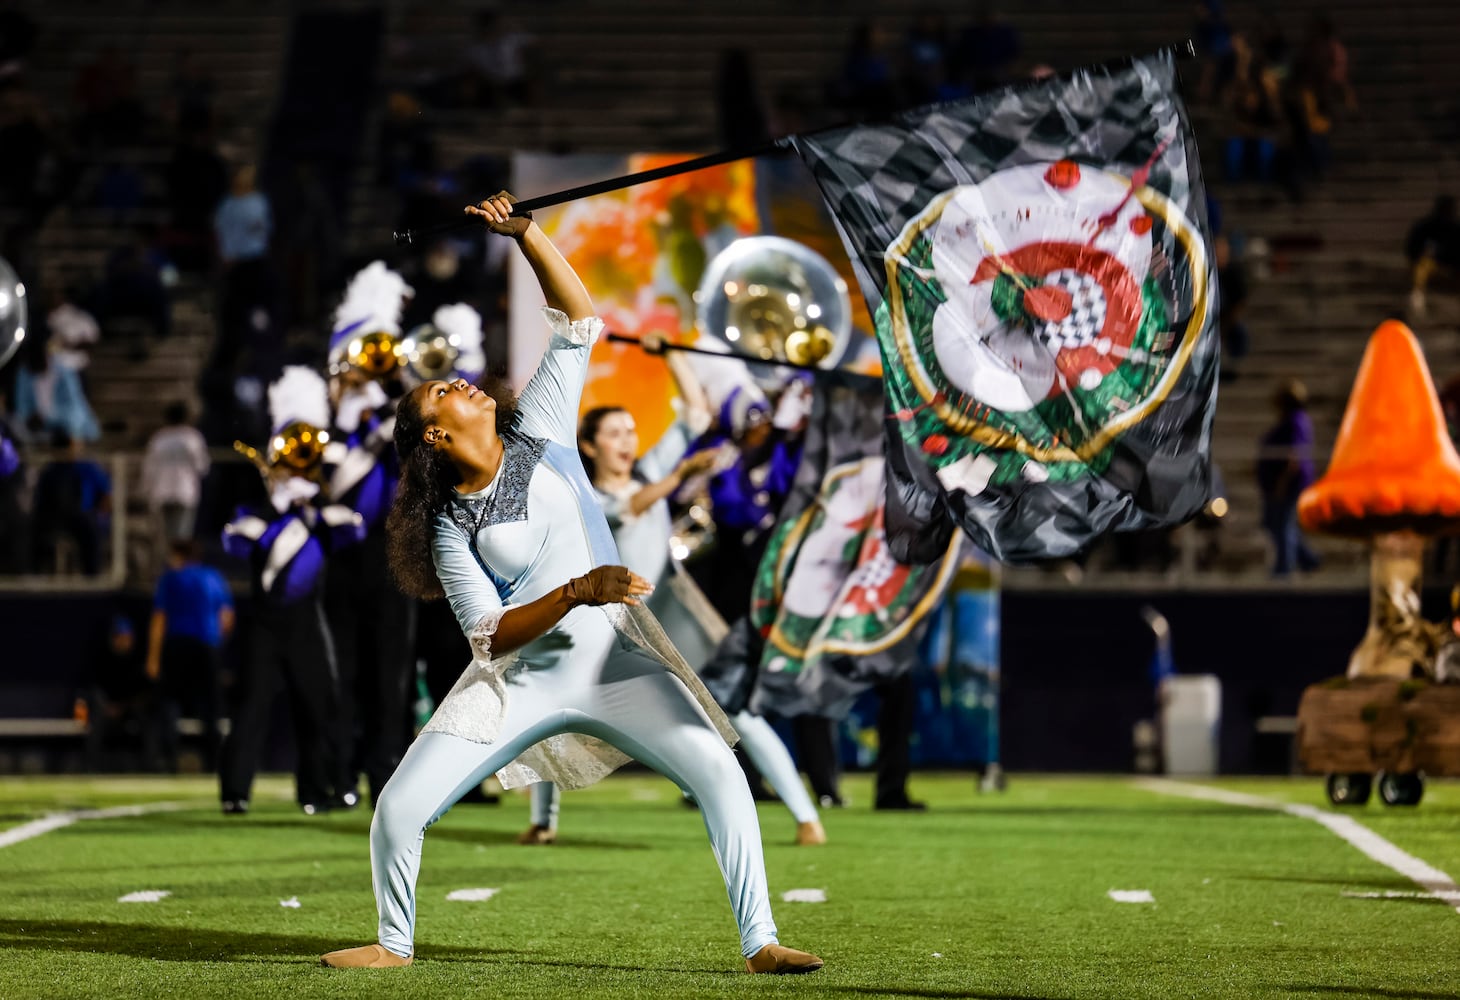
column 1147, row 458
column 1087, row 312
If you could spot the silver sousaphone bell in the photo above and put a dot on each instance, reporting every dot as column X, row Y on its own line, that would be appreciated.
column 429, row 353
column 767, row 299
column 772, row 299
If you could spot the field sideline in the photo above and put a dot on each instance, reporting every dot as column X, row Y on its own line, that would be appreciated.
column 984, row 896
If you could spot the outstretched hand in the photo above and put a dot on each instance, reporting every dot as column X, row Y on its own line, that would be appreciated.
column 609, row 585
column 497, row 211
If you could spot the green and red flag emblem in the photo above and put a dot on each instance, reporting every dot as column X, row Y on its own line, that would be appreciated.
column 838, row 612
column 1036, row 262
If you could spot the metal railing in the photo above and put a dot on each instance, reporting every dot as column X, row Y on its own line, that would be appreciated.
column 1233, row 556
column 113, row 572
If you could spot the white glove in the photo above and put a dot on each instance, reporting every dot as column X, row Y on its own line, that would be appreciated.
column 288, row 492
column 356, row 402
column 793, row 409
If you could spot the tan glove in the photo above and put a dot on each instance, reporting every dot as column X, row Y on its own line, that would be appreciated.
column 608, row 585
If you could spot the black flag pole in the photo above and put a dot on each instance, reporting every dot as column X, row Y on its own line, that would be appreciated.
column 840, row 373
column 1181, row 52
column 408, row 237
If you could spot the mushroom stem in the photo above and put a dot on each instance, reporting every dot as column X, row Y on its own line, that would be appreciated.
column 1398, row 639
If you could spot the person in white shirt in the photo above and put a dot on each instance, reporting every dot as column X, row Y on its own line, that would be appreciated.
column 172, row 477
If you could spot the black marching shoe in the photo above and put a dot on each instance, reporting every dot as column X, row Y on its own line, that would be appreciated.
column 903, row 804
column 235, row 807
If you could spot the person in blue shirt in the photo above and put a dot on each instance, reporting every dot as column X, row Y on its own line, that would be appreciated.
column 72, row 499
column 192, row 615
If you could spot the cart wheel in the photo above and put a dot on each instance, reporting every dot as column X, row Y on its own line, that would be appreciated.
column 1401, row 789
column 1349, row 789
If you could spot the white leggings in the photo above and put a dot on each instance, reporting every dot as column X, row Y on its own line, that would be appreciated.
column 632, row 703
column 761, row 745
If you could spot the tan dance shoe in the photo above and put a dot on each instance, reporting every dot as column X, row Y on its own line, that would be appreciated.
column 810, row 834
column 776, row 960
column 368, row 956
column 535, row 834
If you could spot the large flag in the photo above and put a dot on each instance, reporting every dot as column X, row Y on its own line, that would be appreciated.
column 1036, row 261
column 837, row 611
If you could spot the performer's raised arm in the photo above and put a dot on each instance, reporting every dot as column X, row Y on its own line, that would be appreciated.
column 561, row 285
column 548, row 405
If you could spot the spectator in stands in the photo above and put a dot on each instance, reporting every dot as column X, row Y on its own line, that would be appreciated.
column 192, row 616
column 72, row 330
column 988, row 50
column 49, row 396
column 110, row 113
column 243, row 222
column 244, row 225
column 1316, row 89
column 866, row 86
column 495, row 74
column 1232, row 282
column 1284, row 470
column 72, row 502
column 196, row 183
column 172, row 475
column 132, row 303
column 1433, row 245
column 120, row 710
column 1253, row 101
column 739, row 112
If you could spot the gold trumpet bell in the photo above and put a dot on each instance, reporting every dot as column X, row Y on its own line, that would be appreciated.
column 299, row 447
column 376, row 354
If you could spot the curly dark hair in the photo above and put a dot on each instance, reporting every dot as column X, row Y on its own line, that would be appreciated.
column 427, row 477
column 588, row 430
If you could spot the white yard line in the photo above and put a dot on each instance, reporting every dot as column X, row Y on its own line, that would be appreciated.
column 55, row 821
column 1424, row 875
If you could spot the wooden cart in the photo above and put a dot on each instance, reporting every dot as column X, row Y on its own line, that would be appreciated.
column 1368, row 731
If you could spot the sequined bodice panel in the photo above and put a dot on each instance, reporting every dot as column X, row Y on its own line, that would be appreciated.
column 510, row 525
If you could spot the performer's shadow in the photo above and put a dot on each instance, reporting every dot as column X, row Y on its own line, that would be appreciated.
column 479, row 956
column 168, row 944
column 935, row 994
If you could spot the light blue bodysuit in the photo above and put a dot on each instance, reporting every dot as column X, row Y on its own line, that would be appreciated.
column 691, row 622
column 560, row 708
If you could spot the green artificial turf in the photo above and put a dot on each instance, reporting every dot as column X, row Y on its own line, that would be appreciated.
column 998, row 895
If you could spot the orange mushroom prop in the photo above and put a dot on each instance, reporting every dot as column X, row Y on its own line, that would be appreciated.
column 1394, row 477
